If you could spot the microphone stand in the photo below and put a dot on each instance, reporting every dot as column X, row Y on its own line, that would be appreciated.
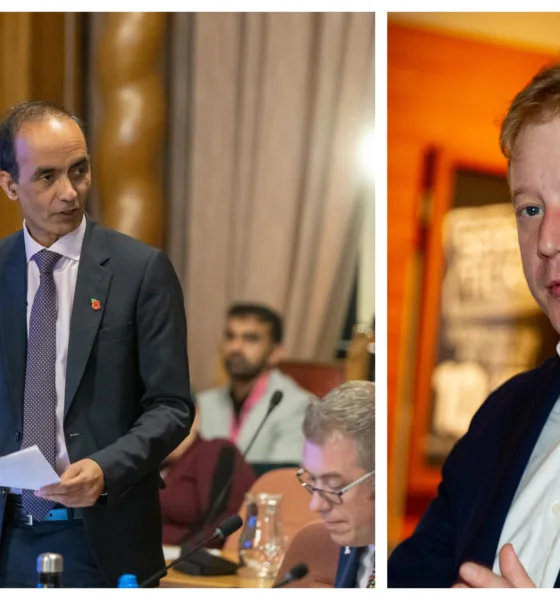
column 229, row 526
column 204, row 562
column 274, row 402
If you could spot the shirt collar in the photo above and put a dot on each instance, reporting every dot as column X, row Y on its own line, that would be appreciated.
column 69, row 245
column 367, row 549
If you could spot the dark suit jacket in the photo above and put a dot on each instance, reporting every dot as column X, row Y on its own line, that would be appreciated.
column 479, row 480
column 127, row 403
column 348, row 565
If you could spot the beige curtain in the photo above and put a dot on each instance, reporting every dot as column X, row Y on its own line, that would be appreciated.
column 266, row 116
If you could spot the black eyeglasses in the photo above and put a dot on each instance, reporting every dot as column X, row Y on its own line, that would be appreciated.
column 332, row 496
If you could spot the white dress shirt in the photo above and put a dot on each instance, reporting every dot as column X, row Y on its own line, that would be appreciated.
column 366, row 565
column 532, row 524
column 65, row 274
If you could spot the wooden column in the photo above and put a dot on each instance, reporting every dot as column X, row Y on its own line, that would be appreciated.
column 128, row 164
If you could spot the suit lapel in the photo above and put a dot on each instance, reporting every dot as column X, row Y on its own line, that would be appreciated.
column 92, row 284
column 348, row 572
column 13, row 319
column 527, row 420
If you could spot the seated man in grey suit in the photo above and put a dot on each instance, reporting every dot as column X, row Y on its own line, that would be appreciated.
column 338, row 472
column 251, row 350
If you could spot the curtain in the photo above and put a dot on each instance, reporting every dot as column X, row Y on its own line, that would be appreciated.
column 266, row 196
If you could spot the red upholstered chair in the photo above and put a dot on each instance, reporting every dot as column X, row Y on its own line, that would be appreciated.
column 318, row 378
column 313, row 546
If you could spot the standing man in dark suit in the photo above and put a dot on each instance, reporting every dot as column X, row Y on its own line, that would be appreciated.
column 93, row 366
column 495, row 521
column 338, row 471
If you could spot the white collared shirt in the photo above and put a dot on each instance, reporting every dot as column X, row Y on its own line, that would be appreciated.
column 532, row 524
column 65, row 274
column 366, row 565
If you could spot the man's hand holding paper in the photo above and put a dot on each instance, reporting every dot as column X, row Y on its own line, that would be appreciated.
column 80, row 485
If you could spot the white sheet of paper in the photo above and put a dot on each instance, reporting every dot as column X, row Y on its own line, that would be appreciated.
column 171, row 552
column 26, row 469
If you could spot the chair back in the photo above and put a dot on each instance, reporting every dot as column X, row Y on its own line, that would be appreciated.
column 295, row 504
column 360, row 354
column 315, row 377
column 313, row 546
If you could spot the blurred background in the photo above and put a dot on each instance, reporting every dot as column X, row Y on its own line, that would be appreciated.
column 238, row 142
column 460, row 319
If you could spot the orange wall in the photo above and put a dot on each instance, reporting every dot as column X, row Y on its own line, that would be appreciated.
column 450, row 93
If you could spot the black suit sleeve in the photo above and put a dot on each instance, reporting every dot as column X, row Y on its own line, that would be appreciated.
column 166, row 410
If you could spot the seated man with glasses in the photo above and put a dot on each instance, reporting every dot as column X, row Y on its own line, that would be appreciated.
column 338, row 472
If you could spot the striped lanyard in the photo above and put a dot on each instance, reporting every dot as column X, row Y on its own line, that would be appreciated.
column 371, row 580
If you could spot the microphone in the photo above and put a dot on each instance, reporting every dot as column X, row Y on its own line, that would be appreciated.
column 203, row 562
column 275, row 400
column 224, row 530
column 296, row 573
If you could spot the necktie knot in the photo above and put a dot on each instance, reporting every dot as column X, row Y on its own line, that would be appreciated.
column 46, row 261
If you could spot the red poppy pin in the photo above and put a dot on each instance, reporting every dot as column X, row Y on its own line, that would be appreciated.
column 95, row 304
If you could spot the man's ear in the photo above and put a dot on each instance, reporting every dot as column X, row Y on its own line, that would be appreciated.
column 8, row 185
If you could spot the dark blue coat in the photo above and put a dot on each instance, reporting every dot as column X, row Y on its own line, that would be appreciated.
column 348, row 565
column 479, row 481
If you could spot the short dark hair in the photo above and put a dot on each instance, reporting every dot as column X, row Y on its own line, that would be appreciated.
column 262, row 313
column 15, row 118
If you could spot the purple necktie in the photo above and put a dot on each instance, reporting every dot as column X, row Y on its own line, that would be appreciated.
column 39, row 403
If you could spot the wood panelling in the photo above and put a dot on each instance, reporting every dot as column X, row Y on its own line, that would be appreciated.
column 47, row 55
column 33, row 49
column 15, row 86
column 15, row 57
column 450, row 94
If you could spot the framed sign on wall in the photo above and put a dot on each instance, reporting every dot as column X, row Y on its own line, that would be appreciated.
column 478, row 323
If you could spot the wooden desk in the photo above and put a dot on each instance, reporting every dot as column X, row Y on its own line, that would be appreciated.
column 176, row 579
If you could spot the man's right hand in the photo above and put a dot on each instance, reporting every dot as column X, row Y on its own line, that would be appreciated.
column 513, row 573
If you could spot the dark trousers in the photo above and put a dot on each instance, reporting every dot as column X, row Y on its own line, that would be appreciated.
column 20, row 546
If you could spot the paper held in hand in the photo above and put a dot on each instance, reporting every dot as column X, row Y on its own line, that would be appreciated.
column 26, row 469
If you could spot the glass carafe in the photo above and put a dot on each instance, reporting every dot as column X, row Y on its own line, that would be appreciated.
column 261, row 544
